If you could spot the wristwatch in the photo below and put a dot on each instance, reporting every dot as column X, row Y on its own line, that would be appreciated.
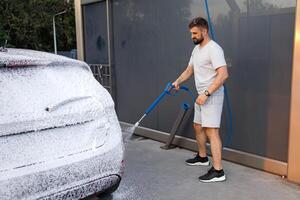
column 206, row 92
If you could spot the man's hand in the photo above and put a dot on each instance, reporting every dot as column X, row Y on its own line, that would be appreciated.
column 186, row 74
column 176, row 85
column 201, row 99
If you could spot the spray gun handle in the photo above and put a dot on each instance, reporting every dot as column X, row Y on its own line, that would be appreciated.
column 169, row 87
column 184, row 88
column 167, row 90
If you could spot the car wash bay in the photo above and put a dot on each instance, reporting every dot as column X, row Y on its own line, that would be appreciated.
column 139, row 47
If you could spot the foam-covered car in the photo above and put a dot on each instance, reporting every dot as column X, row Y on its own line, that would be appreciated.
column 59, row 134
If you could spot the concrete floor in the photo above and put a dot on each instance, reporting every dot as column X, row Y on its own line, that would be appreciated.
column 152, row 173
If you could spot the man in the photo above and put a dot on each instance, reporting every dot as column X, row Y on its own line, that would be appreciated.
column 208, row 65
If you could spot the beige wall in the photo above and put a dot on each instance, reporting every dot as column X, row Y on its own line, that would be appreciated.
column 294, row 136
column 79, row 32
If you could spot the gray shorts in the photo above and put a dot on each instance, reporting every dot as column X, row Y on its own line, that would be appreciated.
column 209, row 114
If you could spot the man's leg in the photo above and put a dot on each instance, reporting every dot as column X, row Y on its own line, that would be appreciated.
column 201, row 139
column 215, row 173
column 211, row 120
column 201, row 157
column 215, row 146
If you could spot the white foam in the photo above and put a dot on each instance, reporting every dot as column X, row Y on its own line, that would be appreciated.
column 26, row 93
column 35, row 164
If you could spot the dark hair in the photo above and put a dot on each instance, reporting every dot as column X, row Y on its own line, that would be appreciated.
column 199, row 22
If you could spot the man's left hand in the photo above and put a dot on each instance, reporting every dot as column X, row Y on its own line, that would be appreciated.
column 201, row 99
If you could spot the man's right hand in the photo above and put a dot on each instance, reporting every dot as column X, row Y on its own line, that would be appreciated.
column 176, row 85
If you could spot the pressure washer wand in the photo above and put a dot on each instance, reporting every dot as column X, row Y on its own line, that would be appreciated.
column 167, row 90
column 157, row 100
column 138, row 122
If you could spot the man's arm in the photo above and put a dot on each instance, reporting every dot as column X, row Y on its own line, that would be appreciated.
column 186, row 74
column 222, row 75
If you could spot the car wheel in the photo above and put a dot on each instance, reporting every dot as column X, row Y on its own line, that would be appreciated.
column 110, row 190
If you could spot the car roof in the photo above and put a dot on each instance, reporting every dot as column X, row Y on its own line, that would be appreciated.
column 23, row 57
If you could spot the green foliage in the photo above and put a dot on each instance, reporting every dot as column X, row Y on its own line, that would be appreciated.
column 28, row 24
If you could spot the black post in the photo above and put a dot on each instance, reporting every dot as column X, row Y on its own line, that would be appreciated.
column 176, row 126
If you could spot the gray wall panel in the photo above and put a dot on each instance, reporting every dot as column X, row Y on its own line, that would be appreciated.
column 95, row 33
column 147, row 44
column 152, row 46
column 260, row 82
column 260, row 70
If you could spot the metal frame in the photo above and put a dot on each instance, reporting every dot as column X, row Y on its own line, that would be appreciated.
column 79, row 29
column 109, row 49
column 102, row 74
column 294, row 130
column 80, row 41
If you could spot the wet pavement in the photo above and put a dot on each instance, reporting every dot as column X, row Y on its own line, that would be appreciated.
column 153, row 173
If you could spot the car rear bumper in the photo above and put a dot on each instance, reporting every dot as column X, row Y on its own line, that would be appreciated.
column 87, row 189
column 73, row 177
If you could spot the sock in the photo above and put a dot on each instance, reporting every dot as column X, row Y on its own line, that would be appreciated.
column 218, row 171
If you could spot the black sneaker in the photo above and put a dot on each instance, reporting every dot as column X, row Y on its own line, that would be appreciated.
column 213, row 176
column 197, row 161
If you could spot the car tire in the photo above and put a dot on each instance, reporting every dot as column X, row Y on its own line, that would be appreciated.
column 106, row 194
column 110, row 190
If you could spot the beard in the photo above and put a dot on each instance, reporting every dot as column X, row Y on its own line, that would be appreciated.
column 198, row 41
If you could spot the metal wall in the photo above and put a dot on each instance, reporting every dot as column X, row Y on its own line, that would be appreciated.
column 152, row 46
column 95, row 33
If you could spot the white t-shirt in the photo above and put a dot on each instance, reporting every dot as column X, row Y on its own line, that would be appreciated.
column 205, row 60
